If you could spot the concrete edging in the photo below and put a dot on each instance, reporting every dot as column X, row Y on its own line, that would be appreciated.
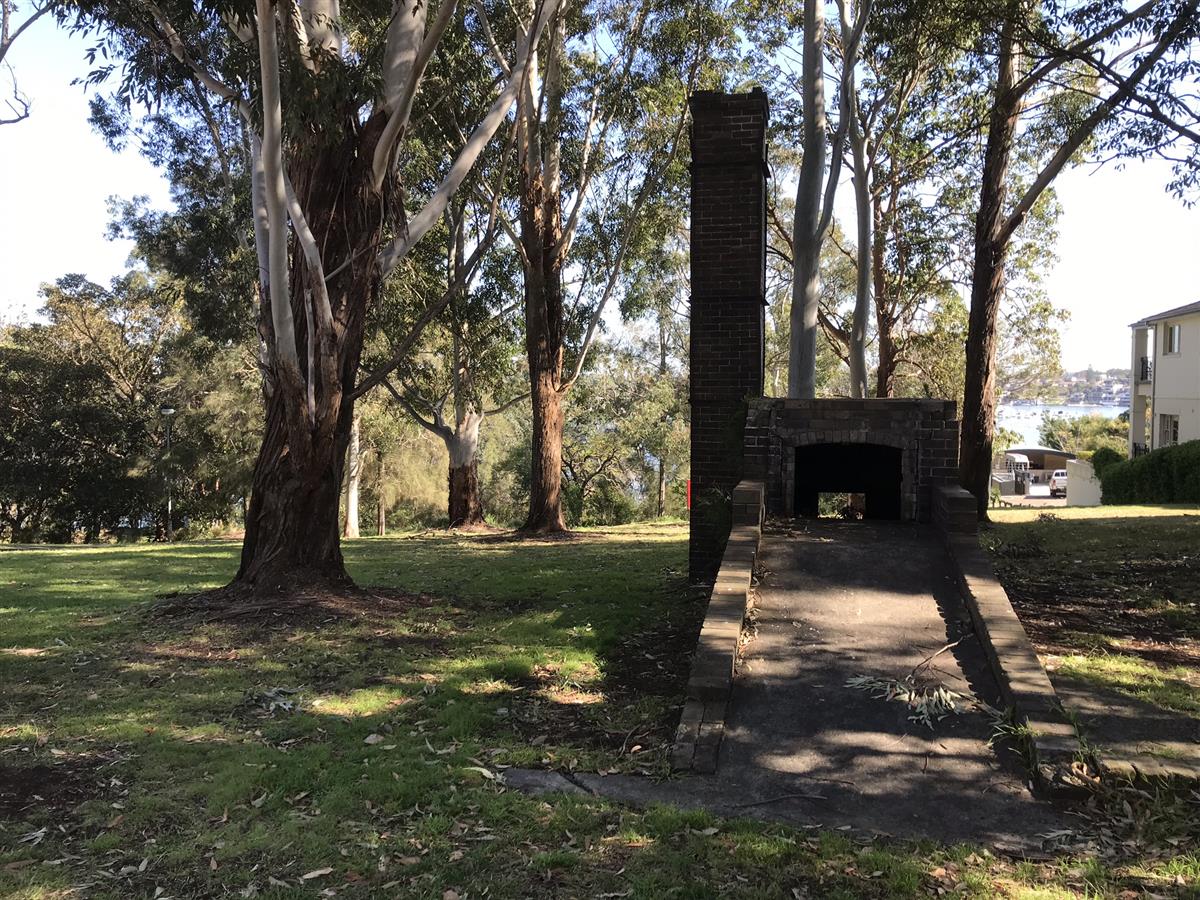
column 1022, row 678
column 702, row 721
column 1145, row 767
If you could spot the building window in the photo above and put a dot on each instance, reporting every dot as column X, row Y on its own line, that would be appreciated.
column 1171, row 336
column 1168, row 430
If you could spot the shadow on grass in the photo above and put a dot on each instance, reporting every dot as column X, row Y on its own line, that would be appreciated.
column 573, row 654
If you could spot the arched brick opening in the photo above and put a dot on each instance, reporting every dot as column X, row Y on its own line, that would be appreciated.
column 905, row 455
column 874, row 470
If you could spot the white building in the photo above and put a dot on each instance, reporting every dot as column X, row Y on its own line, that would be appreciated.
column 1165, row 395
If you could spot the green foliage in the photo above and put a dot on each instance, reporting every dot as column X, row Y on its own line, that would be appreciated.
column 1084, row 434
column 1005, row 438
column 1166, row 475
column 66, row 446
column 83, row 428
column 1103, row 457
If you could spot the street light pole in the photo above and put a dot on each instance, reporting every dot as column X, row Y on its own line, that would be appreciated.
column 168, row 411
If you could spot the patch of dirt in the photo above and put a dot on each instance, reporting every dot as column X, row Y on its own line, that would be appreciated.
column 655, row 661
column 299, row 606
column 523, row 537
column 57, row 786
column 1053, row 601
column 478, row 528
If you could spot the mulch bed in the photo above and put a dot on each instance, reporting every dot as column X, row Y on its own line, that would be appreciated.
column 41, row 786
column 294, row 608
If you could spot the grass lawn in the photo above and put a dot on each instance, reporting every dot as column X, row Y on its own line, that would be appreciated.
column 363, row 756
column 1110, row 594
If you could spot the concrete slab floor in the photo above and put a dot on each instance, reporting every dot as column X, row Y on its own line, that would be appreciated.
column 841, row 599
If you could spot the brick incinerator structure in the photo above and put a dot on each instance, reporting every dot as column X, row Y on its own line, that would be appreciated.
column 892, row 450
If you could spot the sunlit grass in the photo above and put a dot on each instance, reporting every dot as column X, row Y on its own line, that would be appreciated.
column 194, row 787
column 1175, row 688
column 1014, row 514
column 1132, row 567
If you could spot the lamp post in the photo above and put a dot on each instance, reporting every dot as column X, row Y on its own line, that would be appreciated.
column 166, row 410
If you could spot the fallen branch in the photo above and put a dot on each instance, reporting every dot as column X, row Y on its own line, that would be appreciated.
column 779, row 798
column 927, row 660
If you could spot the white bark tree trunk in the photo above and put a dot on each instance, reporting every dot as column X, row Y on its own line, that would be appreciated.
column 380, row 503
column 353, row 479
column 863, row 292
column 815, row 193
column 806, row 238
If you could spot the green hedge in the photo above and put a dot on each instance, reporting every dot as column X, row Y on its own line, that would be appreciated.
column 1168, row 475
column 1105, row 457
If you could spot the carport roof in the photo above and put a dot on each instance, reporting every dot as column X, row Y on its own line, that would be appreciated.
column 1041, row 450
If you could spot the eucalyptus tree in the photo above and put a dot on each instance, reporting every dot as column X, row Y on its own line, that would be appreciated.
column 1093, row 74
column 463, row 372
column 599, row 135
column 15, row 21
column 793, row 45
column 816, row 189
column 329, row 96
column 662, row 417
column 123, row 329
column 916, row 114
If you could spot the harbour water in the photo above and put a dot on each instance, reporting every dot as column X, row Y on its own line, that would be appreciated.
column 1026, row 419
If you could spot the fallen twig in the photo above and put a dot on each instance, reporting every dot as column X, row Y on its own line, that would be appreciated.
column 927, row 660
column 779, row 798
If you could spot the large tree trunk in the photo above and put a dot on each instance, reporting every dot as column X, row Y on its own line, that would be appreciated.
column 806, row 237
column 545, row 477
column 885, row 323
column 292, row 531
column 540, row 232
column 466, row 509
column 661, row 493
column 353, row 478
column 864, row 249
column 465, row 506
column 885, row 379
column 987, row 282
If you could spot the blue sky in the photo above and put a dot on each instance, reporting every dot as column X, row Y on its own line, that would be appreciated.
column 1126, row 248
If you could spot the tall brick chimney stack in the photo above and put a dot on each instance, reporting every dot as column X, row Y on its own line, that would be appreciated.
column 728, row 250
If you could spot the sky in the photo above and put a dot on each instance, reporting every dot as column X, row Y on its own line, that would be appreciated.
column 1126, row 248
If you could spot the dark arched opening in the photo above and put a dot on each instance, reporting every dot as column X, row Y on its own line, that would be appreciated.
column 870, row 469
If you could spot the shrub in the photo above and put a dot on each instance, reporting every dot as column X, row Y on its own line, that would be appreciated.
column 1103, row 458
column 1167, row 475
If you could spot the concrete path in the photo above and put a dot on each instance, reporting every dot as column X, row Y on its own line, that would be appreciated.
column 842, row 599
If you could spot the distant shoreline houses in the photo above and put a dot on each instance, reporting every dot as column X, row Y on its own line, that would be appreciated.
column 1086, row 387
column 1165, row 379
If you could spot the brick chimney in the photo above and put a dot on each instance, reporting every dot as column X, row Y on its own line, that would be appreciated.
column 728, row 256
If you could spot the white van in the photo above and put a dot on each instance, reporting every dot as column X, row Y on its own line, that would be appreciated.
column 1058, row 483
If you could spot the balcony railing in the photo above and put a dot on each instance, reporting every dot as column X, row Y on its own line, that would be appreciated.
column 1146, row 369
column 1140, row 450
